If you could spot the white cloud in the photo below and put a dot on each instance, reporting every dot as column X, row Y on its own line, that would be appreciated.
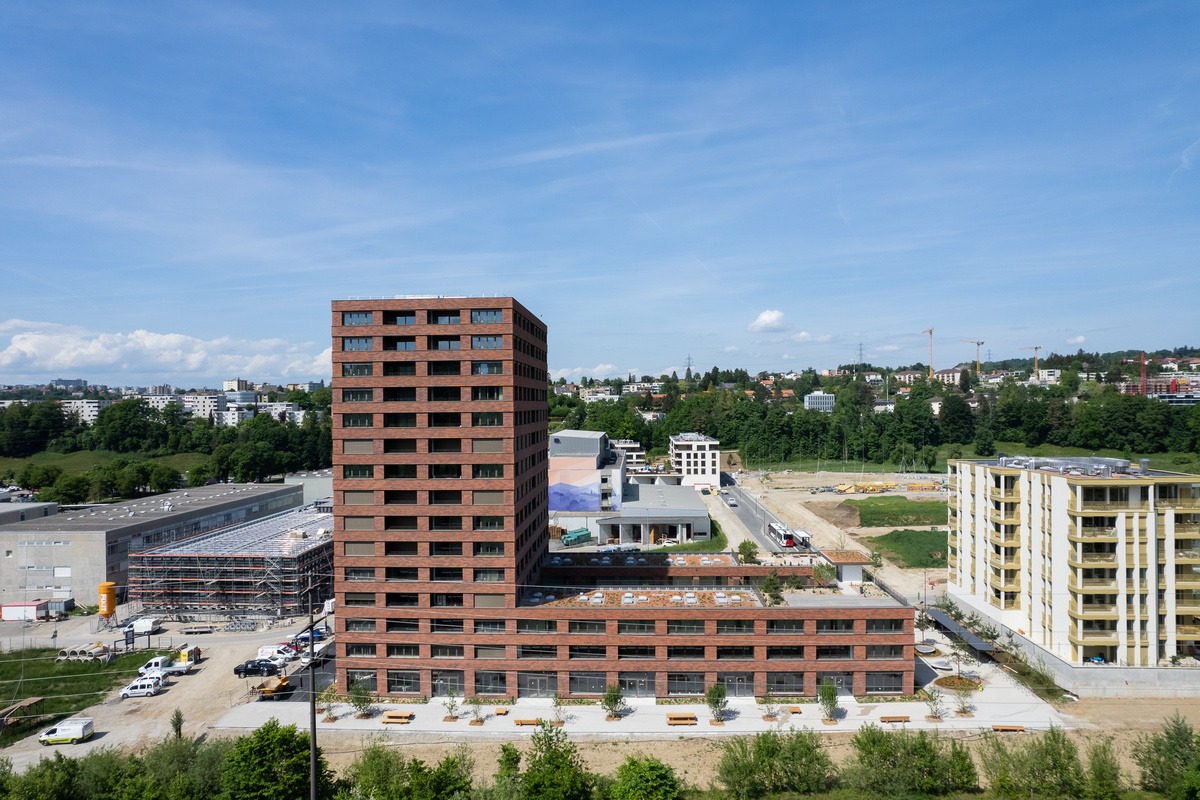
column 37, row 349
column 731, row 348
column 768, row 321
column 805, row 336
column 888, row 348
column 1077, row 339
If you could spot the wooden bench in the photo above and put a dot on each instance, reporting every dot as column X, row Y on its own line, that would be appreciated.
column 1008, row 728
column 795, row 709
column 501, row 711
column 887, row 720
column 398, row 717
column 527, row 722
column 681, row 719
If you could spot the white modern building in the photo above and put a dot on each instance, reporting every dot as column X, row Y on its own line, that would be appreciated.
column 819, row 401
column 697, row 457
column 87, row 410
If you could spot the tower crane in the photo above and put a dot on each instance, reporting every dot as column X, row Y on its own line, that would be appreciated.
column 1036, row 348
column 930, row 332
column 978, row 344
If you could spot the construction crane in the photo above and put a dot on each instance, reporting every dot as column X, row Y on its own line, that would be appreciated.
column 930, row 332
column 978, row 344
column 1036, row 348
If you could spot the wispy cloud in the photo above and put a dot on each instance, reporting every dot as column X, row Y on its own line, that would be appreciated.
column 769, row 321
column 1077, row 339
column 805, row 336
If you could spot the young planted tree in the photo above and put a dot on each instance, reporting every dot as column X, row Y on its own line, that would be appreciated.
column 922, row 623
column 827, row 697
column 360, row 699
column 963, row 696
column 560, row 712
column 769, row 706
column 450, row 702
column 824, row 574
column 612, row 701
column 476, row 710
column 747, row 552
column 177, row 724
column 716, row 699
column 936, row 703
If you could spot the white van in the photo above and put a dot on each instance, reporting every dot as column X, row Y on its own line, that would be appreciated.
column 141, row 687
column 278, row 653
column 69, row 731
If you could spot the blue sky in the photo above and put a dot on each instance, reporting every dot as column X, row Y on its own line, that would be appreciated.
column 764, row 185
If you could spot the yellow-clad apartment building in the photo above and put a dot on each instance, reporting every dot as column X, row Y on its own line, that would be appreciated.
column 1093, row 559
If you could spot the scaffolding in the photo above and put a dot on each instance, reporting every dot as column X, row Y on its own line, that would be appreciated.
column 271, row 568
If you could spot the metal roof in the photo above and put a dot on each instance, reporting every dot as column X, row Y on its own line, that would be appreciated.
column 946, row 621
column 284, row 535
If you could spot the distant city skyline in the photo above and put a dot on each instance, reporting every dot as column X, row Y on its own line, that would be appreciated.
column 756, row 185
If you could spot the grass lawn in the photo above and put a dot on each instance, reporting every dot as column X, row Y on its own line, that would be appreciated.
column 913, row 549
column 80, row 462
column 894, row 512
column 68, row 687
column 717, row 544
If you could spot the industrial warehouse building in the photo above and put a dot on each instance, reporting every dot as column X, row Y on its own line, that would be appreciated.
column 71, row 553
column 272, row 567
column 443, row 577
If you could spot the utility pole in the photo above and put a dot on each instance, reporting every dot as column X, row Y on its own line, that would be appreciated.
column 930, row 332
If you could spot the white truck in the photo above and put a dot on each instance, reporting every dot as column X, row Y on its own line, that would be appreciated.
column 165, row 665
column 322, row 651
column 69, row 731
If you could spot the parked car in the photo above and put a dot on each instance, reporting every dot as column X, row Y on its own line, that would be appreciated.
column 141, row 687
column 317, row 635
column 256, row 666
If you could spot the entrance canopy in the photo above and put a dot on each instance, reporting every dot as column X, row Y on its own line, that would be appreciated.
column 944, row 620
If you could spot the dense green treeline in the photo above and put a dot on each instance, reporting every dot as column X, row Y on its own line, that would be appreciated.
column 776, row 428
column 273, row 763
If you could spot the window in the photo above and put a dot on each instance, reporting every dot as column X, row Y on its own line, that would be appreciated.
column 403, row 651
column 587, row 652
column 358, row 395
column 399, row 420
column 445, row 548
column 885, row 626
column 836, row 653
column 401, row 574
column 445, row 574
column 361, row 677
column 685, row 683
column 884, row 682
column 402, row 600
column 445, row 626
column 359, row 523
column 735, row 627
column 885, row 651
column 489, row 523
column 536, row 626
column 401, row 548
column 785, row 627
column 446, row 600
column 399, row 343
column 484, row 316
column 399, row 470
column 359, row 549
column 490, row 682
column 358, row 498
column 358, row 471
column 360, row 626
column 688, row 653
column 633, row 653
column 785, row 683
column 356, row 370
column 487, row 342
column 445, row 445
column 596, row 628
column 360, row 599
column 835, row 626
column 537, row 651
column 487, row 393
column 487, row 445
column 403, row 682
column 792, row 653
column 487, row 419
column 735, row 653
column 446, row 651
column 399, row 394
column 391, row 446
column 400, row 497
column 357, row 420
column 492, row 651
column 399, row 318
column 489, row 626
column 400, row 524
column 636, row 627
column 694, row 627
column 356, row 317
column 445, row 497
column 445, row 471
column 356, row 343
column 360, row 650
column 586, row 682
column 489, row 576
column 483, row 471
column 444, row 394
column 360, row 574
column 358, row 447
column 489, row 601
column 445, row 419
column 487, row 368
column 403, row 626
column 441, row 317
column 392, row 369
column 487, row 498
column 445, row 523
column 489, row 549
column 444, row 343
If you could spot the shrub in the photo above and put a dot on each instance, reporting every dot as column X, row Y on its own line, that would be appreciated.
column 1163, row 757
column 645, row 779
column 827, row 696
column 716, row 698
column 1102, row 780
column 1047, row 766
column 612, row 701
column 902, row 763
column 772, row 763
